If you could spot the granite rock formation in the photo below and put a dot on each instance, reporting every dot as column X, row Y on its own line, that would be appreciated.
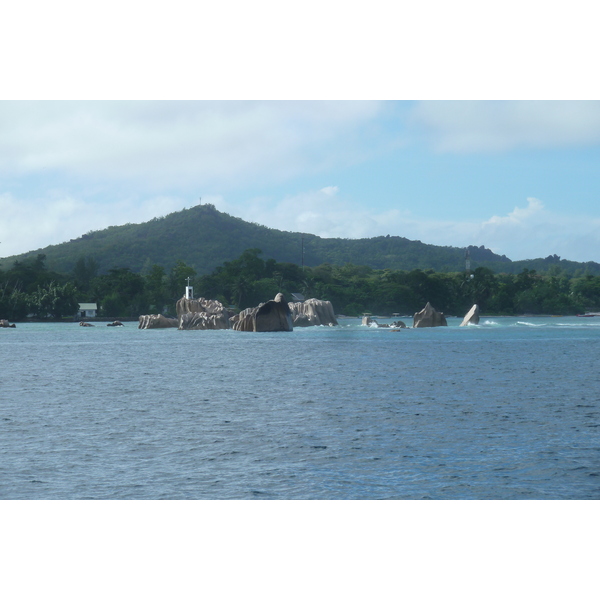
column 472, row 316
column 204, row 320
column 274, row 315
column 312, row 312
column 201, row 313
column 199, row 305
column 156, row 322
column 197, row 313
column 429, row 317
column 5, row 324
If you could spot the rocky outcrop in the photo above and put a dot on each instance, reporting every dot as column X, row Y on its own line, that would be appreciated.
column 203, row 320
column 274, row 315
column 85, row 324
column 312, row 312
column 429, row 317
column 115, row 324
column 156, row 322
column 5, row 324
column 201, row 313
column 198, row 313
column 368, row 322
column 199, row 305
column 472, row 317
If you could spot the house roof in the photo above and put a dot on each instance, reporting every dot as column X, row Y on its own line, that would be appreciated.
column 88, row 306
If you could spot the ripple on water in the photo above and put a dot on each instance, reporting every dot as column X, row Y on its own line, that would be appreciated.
column 505, row 410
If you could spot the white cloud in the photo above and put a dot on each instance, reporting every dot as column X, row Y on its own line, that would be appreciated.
column 501, row 126
column 519, row 217
column 330, row 190
column 534, row 231
column 172, row 144
column 322, row 212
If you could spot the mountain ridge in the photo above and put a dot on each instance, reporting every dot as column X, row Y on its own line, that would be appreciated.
column 204, row 238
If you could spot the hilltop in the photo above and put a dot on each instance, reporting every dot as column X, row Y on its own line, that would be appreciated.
column 204, row 238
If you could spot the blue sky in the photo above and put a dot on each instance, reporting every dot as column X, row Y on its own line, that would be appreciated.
column 519, row 177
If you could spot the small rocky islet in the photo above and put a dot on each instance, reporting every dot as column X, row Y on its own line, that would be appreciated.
column 277, row 315
column 273, row 315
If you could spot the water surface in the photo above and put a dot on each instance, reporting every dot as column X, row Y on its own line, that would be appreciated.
column 508, row 409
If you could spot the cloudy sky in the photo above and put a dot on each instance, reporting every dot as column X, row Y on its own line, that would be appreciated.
column 519, row 177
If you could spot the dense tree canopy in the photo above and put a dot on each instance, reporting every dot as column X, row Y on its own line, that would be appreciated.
column 30, row 289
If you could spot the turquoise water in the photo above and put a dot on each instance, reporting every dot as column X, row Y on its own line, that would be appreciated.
column 508, row 409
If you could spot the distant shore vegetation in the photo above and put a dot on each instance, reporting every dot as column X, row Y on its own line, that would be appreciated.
column 30, row 290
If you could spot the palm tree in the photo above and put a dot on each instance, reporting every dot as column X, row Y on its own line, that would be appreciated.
column 240, row 288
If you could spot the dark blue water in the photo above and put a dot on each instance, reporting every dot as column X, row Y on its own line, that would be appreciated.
column 505, row 410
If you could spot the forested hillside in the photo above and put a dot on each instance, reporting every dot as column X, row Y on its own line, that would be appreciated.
column 205, row 238
column 29, row 289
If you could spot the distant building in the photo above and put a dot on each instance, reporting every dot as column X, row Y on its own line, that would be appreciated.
column 87, row 310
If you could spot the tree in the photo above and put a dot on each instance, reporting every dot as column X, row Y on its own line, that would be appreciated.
column 14, row 304
column 156, row 288
column 120, row 293
column 84, row 271
column 239, row 290
column 54, row 300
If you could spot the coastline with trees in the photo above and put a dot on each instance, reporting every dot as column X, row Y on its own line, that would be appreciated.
column 29, row 290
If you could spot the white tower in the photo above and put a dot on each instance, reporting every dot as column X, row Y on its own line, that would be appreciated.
column 189, row 290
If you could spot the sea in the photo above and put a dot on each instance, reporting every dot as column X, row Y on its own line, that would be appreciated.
column 508, row 409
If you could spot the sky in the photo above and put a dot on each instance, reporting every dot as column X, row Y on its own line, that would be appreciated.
column 425, row 124
column 519, row 177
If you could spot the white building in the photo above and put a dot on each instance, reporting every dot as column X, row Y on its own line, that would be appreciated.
column 87, row 309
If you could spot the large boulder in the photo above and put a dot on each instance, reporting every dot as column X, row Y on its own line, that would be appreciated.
column 5, row 323
column 274, row 315
column 203, row 320
column 312, row 312
column 472, row 316
column 156, row 322
column 200, row 305
column 201, row 313
column 429, row 317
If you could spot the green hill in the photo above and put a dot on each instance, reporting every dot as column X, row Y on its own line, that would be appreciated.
column 204, row 238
